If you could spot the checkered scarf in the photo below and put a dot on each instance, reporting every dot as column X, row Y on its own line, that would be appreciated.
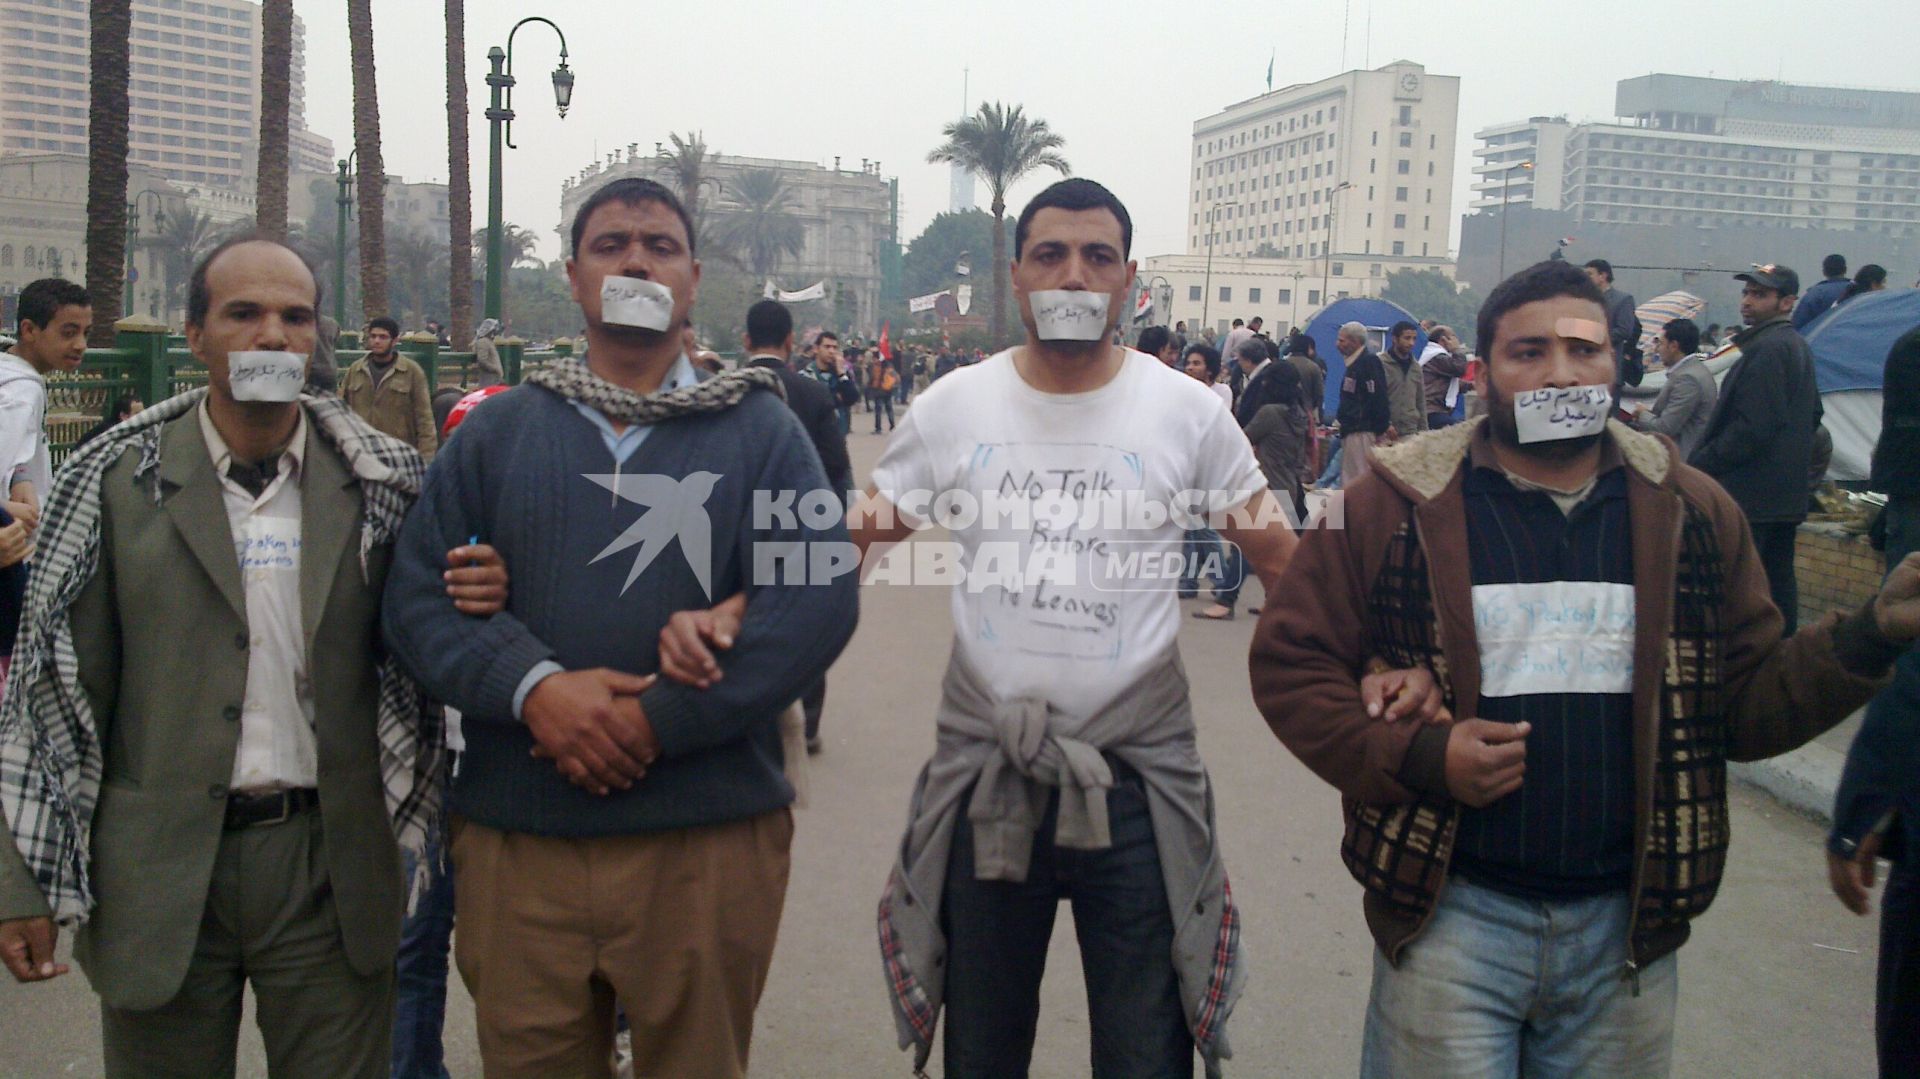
column 50, row 754
column 573, row 380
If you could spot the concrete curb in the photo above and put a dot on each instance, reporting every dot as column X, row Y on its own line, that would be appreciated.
column 1804, row 779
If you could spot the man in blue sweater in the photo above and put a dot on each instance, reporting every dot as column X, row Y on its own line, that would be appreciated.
column 614, row 837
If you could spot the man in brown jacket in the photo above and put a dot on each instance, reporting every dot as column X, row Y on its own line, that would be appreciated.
column 1600, row 623
column 390, row 391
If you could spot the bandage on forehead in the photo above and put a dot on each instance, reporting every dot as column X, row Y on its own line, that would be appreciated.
column 1581, row 329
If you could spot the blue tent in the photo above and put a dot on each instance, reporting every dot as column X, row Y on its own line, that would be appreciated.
column 1850, row 342
column 1376, row 315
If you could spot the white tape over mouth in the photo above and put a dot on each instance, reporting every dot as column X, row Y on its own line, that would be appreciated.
column 275, row 377
column 1069, row 314
column 631, row 301
column 1551, row 415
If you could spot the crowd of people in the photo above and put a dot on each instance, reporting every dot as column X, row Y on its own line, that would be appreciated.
column 287, row 704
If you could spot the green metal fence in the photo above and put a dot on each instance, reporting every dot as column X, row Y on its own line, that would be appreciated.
column 153, row 365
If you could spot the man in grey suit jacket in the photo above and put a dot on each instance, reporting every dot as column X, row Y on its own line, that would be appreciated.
column 234, row 685
column 1685, row 403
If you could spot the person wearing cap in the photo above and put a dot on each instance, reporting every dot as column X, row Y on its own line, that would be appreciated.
column 1759, row 443
column 486, row 354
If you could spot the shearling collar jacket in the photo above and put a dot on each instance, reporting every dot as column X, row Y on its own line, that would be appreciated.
column 1712, row 680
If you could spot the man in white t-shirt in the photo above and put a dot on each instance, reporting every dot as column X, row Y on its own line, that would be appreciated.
column 53, row 316
column 1066, row 764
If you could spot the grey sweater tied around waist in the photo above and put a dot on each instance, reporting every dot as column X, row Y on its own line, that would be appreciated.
column 1010, row 753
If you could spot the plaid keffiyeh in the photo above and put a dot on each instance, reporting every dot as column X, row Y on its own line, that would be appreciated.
column 50, row 755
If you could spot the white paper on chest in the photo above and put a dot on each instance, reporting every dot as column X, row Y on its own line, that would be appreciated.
column 1554, row 637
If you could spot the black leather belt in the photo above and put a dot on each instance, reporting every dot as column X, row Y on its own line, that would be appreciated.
column 252, row 810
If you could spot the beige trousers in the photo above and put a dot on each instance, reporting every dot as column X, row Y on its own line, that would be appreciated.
column 678, row 927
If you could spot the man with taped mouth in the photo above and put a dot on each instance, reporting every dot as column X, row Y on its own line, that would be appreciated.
column 201, row 688
column 1599, row 621
column 615, row 838
column 1066, row 765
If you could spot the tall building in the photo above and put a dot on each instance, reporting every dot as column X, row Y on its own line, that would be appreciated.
column 1720, row 153
column 1358, row 165
column 848, row 219
column 1521, row 164
column 194, row 95
column 960, row 190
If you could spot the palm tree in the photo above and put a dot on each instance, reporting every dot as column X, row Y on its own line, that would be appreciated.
column 420, row 285
column 1000, row 145
column 276, row 96
column 373, row 172
column 762, row 230
column 516, row 249
column 687, row 162
column 185, row 238
column 459, row 182
column 111, row 49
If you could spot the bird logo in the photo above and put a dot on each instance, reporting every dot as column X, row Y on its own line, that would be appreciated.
column 676, row 509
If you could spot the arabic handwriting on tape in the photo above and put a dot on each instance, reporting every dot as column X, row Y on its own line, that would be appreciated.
column 1558, row 413
column 1069, row 315
column 631, row 301
column 266, row 376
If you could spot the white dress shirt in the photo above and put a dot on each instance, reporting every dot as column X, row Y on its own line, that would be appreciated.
column 277, row 746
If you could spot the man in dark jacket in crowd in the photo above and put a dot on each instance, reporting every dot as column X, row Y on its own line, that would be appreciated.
column 1876, row 813
column 1760, row 441
column 1825, row 294
column 769, row 343
column 1443, row 366
column 1364, row 410
column 1623, row 326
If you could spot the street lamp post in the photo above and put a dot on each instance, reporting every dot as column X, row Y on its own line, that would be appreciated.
column 1326, row 255
column 1206, row 289
column 500, row 124
column 1296, row 275
column 343, row 207
column 1506, row 177
column 133, row 237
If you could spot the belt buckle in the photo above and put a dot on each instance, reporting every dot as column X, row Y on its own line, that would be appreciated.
column 286, row 811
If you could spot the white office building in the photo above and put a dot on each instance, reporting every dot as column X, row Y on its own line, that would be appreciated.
column 1718, row 153
column 1359, row 165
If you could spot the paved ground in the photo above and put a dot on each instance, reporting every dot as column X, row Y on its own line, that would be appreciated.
column 1778, row 980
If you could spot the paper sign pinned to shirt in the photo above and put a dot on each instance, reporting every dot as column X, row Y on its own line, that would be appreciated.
column 1568, row 412
column 631, row 301
column 1554, row 637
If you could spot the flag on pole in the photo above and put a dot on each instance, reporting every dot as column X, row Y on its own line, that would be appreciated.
column 886, row 349
column 1270, row 56
column 1143, row 304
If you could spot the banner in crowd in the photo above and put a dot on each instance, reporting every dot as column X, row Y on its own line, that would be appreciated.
column 924, row 303
column 815, row 291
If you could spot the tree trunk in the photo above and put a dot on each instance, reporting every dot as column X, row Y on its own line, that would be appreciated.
column 373, row 174
column 999, row 270
column 107, row 164
column 276, row 98
column 459, row 182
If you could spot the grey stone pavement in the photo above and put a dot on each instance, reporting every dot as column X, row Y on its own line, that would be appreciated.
column 1777, row 981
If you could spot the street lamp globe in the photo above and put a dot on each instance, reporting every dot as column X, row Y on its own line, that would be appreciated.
column 563, row 86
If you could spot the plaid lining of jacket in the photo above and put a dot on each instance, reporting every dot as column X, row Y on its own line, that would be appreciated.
column 1713, row 679
column 1400, row 853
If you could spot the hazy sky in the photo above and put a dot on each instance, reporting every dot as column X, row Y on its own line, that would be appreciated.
column 1122, row 83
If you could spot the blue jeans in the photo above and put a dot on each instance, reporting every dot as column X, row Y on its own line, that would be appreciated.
column 420, row 983
column 997, row 935
column 1330, row 476
column 1499, row 987
column 1200, row 549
